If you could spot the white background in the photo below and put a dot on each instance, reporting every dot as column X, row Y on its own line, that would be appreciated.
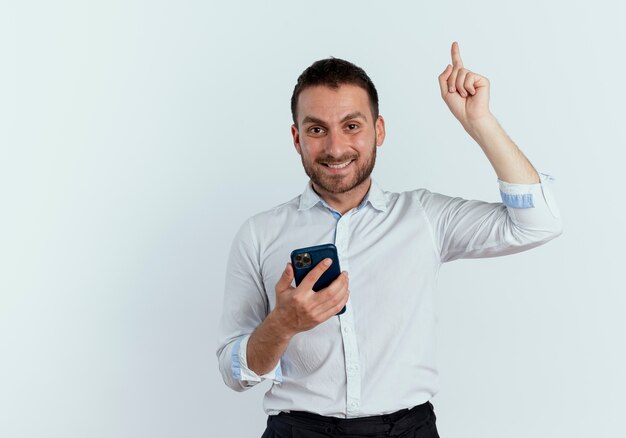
column 137, row 136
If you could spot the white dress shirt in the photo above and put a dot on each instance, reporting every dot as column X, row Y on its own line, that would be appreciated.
column 377, row 357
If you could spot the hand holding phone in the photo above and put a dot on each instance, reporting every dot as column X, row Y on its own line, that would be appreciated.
column 305, row 259
column 300, row 308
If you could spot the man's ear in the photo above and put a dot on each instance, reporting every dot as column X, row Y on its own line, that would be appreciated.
column 296, row 138
column 380, row 131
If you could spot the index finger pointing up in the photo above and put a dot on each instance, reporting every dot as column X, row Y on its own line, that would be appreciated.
column 456, row 56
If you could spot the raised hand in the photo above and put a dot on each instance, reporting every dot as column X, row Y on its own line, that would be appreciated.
column 466, row 93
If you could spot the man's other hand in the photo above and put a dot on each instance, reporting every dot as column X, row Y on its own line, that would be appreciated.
column 466, row 93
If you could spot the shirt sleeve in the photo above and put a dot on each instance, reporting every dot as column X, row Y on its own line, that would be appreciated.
column 245, row 307
column 527, row 217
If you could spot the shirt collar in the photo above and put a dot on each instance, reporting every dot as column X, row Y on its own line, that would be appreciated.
column 375, row 196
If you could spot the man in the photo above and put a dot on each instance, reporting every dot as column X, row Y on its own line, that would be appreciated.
column 371, row 370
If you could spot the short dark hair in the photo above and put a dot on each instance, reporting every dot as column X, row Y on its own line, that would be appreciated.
column 333, row 72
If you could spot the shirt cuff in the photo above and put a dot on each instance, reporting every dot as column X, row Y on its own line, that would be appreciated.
column 240, row 370
column 522, row 196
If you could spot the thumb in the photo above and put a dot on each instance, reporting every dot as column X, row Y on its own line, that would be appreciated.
column 285, row 279
column 443, row 80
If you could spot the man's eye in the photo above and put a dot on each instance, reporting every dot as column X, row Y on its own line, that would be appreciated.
column 352, row 126
column 316, row 130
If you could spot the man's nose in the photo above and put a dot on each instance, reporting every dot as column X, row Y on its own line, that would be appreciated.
column 336, row 143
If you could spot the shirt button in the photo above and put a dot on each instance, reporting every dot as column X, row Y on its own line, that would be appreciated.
column 354, row 405
column 346, row 329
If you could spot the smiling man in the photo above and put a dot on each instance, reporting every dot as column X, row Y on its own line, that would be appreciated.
column 337, row 139
column 369, row 371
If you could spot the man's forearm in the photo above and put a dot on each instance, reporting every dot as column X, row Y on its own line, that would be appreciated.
column 266, row 345
column 507, row 160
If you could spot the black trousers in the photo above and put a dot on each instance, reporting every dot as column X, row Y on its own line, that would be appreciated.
column 417, row 422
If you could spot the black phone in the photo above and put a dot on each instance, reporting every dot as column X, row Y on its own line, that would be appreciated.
column 305, row 259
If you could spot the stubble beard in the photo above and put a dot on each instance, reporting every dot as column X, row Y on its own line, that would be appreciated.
column 338, row 183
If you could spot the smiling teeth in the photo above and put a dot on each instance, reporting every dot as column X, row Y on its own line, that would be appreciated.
column 339, row 166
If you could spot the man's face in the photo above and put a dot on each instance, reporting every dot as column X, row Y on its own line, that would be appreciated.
column 337, row 137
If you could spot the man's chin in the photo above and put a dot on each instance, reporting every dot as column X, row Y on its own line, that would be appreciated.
column 336, row 187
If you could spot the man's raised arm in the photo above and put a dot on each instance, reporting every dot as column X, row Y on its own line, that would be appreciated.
column 467, row 95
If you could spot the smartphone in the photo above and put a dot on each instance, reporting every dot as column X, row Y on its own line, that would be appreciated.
column 305, row 259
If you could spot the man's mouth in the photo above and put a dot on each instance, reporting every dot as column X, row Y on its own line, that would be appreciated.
column 338, row 165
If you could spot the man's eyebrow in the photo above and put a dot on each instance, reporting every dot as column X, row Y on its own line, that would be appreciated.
column 315, row 120
column 354, row 115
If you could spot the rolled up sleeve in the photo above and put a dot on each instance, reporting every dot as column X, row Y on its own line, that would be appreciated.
column 532, row 205
column 245, row 307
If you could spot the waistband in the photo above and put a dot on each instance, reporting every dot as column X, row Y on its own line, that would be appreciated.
column 392, row 424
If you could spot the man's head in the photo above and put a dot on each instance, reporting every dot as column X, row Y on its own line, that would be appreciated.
column 336, row 126
column 332, row 73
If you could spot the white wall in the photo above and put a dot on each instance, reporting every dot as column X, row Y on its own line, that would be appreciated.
column 137, row 136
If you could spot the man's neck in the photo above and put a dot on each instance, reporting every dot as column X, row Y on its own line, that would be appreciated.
column 344, row 202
